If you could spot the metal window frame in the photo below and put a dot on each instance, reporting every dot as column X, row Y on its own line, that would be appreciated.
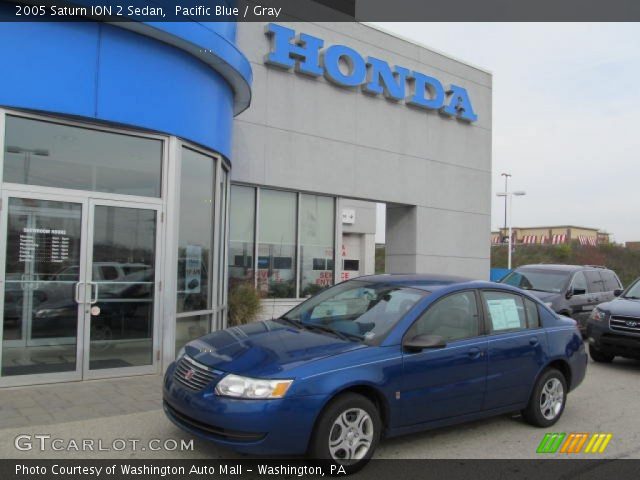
column 216, row 306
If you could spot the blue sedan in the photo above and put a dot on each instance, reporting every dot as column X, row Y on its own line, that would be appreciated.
column 373, row 358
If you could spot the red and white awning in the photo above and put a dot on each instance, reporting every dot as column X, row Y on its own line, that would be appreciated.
column 585, row 240
column 559, row 238
column 529, row 239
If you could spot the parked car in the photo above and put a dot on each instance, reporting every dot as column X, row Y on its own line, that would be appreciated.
column 614, row 327
column 373, row 358
column 570, row 290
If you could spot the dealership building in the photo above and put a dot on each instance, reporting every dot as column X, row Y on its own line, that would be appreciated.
column 146, row 169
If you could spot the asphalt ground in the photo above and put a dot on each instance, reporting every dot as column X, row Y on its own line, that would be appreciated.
column 606, row 402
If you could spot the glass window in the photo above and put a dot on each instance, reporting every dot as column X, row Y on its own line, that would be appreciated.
column 611, row 282
column 363, row 310
column 594, row 281
column 196, row 232
column 533, row 316
column 40, row 321
column 121, row 334
column 505, row 310
column 54, row 155
column 190, row 328
column 633, row 292
column 455, row 317
column 579, row 282
column 277, row 248
column 317, row 222
column 351, row 265
column 241, row 234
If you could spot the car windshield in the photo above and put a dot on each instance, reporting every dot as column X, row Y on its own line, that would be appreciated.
column 541, row 280
column 356, row 309
column 633, row 291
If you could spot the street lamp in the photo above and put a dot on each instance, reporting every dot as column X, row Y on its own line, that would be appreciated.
column 506, row 189
column 510, row 195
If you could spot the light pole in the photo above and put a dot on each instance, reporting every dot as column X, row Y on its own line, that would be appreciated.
column 510, row 195
column 506, row 189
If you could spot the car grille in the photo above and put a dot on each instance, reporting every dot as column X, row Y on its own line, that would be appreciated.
column 206, row 428
column 625, row 324
column 194, row 375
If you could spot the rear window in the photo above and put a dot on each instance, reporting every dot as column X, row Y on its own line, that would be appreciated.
column 610, row 280
column 533, row 316
column 595, row 284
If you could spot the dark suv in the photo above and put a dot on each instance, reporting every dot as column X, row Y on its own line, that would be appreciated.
column 571, row 290
column 613, row 328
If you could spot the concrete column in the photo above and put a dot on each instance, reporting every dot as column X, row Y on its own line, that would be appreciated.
column 432, row 240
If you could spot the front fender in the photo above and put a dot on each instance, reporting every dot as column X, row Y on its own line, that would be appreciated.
column 378, row 370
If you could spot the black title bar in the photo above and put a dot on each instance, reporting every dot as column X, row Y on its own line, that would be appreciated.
column 322, row 10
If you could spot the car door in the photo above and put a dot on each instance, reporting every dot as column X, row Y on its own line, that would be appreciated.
column 446, row 382
column 595, row 291
column 611, row 284
column 516, row 348
column 579, row 301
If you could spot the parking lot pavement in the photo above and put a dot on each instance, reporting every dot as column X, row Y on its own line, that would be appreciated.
column 605, row 402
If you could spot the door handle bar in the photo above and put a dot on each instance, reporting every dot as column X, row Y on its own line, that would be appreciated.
column 94, row 299
column 77, row 291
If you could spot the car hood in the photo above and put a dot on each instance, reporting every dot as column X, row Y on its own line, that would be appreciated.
column 265, row 349
column 622, row 306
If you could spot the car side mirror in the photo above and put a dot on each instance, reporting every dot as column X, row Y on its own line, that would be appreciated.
column 420, row 342
column 617, row 292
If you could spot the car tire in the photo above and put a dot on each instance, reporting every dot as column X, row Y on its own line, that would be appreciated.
column 598, row 356
column 347, row 432
column 548, row 399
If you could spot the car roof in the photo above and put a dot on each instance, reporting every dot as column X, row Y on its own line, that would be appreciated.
column 561, row 267
column 429, row 282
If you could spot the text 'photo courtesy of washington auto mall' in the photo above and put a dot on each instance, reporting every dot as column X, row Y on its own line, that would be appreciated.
column 319, row 238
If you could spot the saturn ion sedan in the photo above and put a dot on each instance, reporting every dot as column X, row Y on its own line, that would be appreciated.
column 373, row 358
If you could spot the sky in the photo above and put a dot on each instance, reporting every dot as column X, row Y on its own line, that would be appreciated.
column 566, row 108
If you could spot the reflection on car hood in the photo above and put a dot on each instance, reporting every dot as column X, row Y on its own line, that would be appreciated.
column 622, row 306
column 263, row 349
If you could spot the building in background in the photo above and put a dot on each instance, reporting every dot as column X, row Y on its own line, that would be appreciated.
column 555, row 235
column 632, row 245
column 147, row 166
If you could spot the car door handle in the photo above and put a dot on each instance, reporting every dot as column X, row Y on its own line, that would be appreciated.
column 534, row 341
column 475, row 353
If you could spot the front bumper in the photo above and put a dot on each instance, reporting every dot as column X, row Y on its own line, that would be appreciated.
column 613, row 343
column 256, row 427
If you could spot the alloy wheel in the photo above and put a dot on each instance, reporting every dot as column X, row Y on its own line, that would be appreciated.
column 551, row 398
column 351, row 435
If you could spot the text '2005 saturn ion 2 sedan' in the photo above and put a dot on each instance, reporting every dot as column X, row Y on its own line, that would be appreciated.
column 376, row 357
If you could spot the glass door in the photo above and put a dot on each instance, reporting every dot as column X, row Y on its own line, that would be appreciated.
column 43, row 288
column 122, row 293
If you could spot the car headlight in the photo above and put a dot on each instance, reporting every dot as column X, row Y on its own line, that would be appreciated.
column 243, row 387
column 598, row 315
